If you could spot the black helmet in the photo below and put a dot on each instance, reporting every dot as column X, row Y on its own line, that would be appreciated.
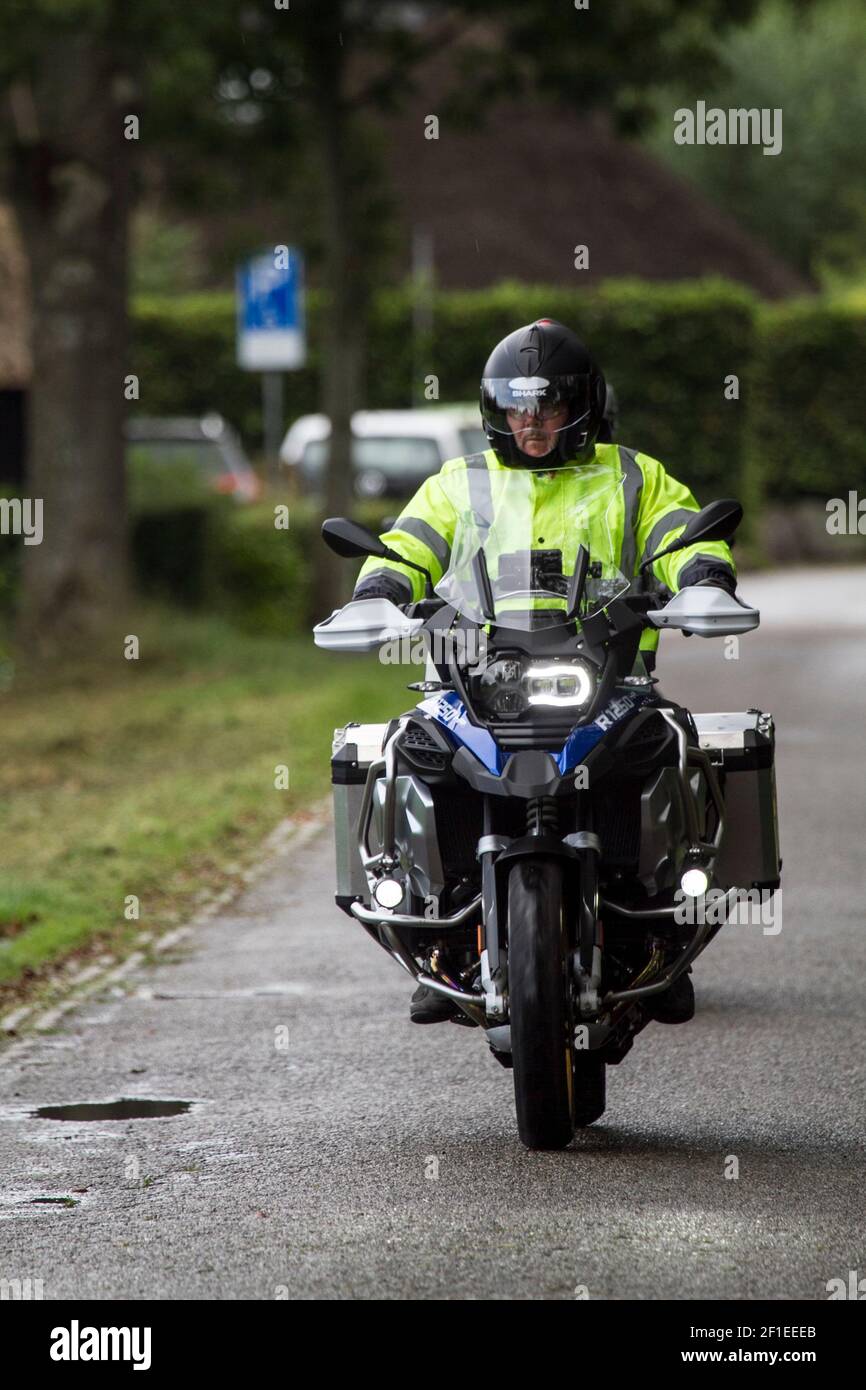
column 543, row 365
column 610, row 422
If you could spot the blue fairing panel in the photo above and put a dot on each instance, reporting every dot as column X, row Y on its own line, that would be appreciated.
column 581, row 741
column 450, row 712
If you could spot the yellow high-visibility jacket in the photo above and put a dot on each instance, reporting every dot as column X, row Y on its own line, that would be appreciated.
column 647, row 513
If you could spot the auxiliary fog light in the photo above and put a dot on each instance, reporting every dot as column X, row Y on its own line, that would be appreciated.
column 388, row 892
column 559, row 684
column 695, row 882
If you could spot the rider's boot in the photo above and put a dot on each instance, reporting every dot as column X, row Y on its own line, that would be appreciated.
column 676, row 1004
column 428, row 1006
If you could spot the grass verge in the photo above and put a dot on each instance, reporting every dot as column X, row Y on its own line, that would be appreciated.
column 155, row 778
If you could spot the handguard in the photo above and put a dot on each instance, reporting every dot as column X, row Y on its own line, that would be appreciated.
column 363, row 625
column 706, row 611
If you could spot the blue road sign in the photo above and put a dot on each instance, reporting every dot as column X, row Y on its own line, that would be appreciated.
column 271, row 334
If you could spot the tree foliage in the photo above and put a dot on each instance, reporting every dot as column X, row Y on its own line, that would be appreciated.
column 809, row 202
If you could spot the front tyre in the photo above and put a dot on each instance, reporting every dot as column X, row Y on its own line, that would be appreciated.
column 539, row 990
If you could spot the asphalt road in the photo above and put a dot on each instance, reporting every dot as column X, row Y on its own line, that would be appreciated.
column 372, row 1159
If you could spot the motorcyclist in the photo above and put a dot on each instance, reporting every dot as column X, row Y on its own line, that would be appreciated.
column 543, row 401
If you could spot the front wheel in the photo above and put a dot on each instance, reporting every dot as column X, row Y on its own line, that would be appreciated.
column 555, row 1088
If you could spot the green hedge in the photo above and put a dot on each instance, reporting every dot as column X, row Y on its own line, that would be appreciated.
column 184, row 357
column 807, row 422
column 261, row 575
column 667, row 348
column 230, row 559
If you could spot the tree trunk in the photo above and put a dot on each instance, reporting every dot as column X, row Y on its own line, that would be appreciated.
column 72, row 200
column 347, row 302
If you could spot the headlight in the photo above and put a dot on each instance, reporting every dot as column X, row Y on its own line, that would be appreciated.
column 512, row 685
column 559, row 684
column 499, row 689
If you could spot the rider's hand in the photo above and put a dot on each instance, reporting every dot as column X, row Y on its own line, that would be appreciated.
column 704, row 572
column 382, row 586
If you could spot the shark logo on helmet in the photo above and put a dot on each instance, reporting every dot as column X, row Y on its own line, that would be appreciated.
column 528, row 385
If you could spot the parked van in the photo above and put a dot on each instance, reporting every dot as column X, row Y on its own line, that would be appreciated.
column 394, row 450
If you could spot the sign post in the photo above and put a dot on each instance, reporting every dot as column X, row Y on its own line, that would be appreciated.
column 271, row 332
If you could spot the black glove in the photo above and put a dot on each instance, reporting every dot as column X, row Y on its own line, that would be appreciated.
column 391, row 586
column 714, row 572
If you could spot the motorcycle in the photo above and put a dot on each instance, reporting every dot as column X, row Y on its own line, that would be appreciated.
column 534, row 839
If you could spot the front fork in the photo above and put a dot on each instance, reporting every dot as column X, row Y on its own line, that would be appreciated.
column 494, row 957
column 583, row 851
column 589, row 944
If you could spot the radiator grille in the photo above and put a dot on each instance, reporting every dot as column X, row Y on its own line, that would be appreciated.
column 459, row 827
column 617, row 822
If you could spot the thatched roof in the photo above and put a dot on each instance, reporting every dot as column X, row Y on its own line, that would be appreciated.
column 14, row 308
column 510, row 198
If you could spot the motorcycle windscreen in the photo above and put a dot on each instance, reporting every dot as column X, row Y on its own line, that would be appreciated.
column 530, row 526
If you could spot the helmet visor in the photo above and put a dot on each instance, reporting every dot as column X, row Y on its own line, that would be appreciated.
column 517, row 405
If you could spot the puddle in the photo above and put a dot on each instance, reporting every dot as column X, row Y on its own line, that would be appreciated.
column 113, row 1110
